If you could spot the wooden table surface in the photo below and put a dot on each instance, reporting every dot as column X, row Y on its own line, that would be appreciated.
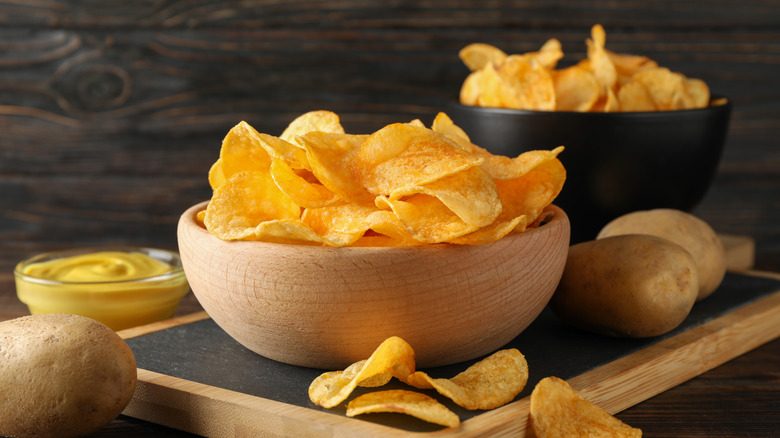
column 111, row 114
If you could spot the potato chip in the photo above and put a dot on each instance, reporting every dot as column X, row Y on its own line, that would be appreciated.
column 549, row 54
column 699, row 91
column 241, row 151
column 557, row 410
column 312, row 121
column 401, row 155
column 471, row 90
column 245, row 201
column 491, row 88
column 633, row 96
column 470, row 194
column 405, row 402
column 305, row 193
column 341, row 224
column 331, row 156
column 576, row 89
column 526, row 84
column 426, row 218
column 599, row 61
column 216, row 175
column 531, row 193
column 628, row 65
column 477, row 55
column 489, row 383
column 667, row 88
column 278, row 149
column 394, row 356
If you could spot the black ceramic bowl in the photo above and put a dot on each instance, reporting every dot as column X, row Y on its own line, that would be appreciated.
column 615, row 162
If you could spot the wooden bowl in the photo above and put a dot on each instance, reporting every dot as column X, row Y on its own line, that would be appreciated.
column 325, row 307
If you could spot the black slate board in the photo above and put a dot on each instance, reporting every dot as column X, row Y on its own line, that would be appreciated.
column 202, row 352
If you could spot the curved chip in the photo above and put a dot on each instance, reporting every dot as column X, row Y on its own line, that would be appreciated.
column 426, row 218
column 576, row 89
column 394, row 356
column 245, row 201
column 331, row 157
column 477, row 55
column 242, row 151
column 557, row 410
column 312, row 121
column 404, row 402
column 489, row 383
column 305, row 193
column 402, row 154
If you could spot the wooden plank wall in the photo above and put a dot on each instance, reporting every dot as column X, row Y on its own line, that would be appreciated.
column 111, row 111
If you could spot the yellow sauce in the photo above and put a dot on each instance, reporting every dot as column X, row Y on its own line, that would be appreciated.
column 101, row 266
column 121, row 289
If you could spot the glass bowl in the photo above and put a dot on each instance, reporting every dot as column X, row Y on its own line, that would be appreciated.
column 112, row 294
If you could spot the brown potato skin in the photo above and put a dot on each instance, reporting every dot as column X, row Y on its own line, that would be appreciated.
column 685, row 229
column 61, row 376
column 627, row 286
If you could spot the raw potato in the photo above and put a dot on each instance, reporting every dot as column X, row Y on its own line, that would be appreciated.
column 61, row 376
column 628, row 286
column 683, row 228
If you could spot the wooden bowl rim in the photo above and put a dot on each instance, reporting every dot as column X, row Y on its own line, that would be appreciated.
column 188, row 219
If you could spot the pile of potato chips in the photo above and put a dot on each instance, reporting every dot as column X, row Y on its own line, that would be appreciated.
column 556, row 409
column 402, row 185
column 604, row 82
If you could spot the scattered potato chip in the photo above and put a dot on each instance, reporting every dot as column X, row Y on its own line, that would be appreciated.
column 393, row 357
column 405, row 402
column 530, row 81
column 557, row 410
column 489, row 383
column 403, row 185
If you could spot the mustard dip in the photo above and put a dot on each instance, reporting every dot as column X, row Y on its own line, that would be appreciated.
column 121, row 287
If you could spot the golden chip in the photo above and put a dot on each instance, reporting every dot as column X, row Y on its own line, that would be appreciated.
column 394, row 356
column 489, row 383
column 470, row 194
column 526, row 84
column 405, row 402
column 633, row 96
column 331, row 156
column 477, row 55
column 576, row 89
column 667, row 88
column 244, row 202
column 426, row 218
column 312, row 121
column 402, row 155
column 528, row 195
column 242, row 151
column 557, row 410
column 303, row 192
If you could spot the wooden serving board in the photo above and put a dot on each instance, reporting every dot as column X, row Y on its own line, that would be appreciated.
column 194, row 377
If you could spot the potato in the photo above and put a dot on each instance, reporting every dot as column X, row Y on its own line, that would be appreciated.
column 683, row 228
column 61, row 376
column 627, row 286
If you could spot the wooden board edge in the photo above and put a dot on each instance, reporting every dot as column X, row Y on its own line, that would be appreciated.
column 216, row 412
column 162, row 325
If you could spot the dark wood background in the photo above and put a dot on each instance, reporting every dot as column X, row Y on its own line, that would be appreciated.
column 112, row 111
